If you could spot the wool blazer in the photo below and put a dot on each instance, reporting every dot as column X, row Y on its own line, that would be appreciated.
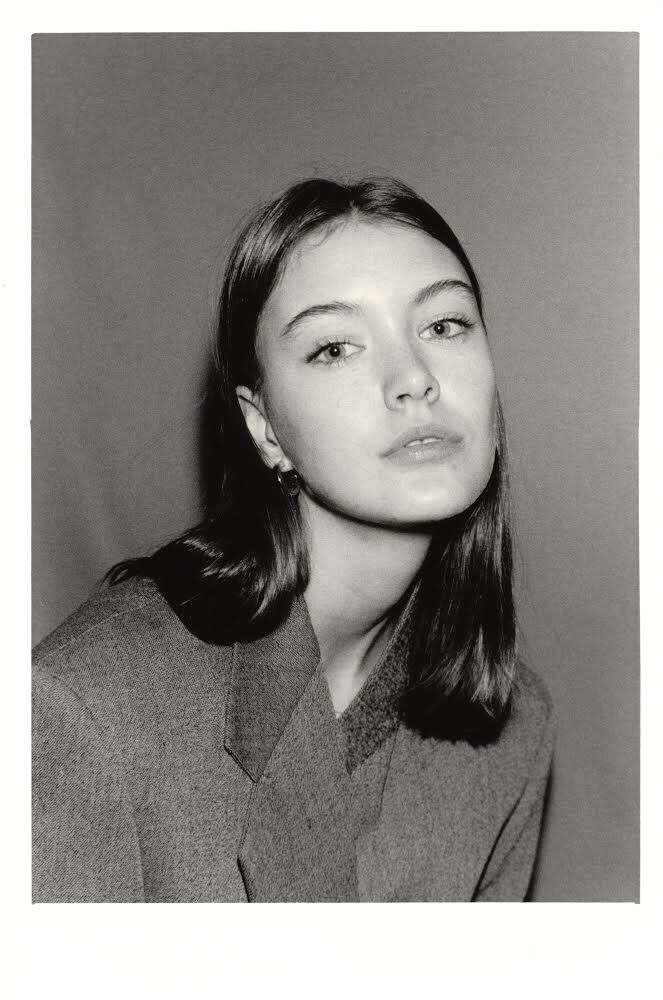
column 167, row 769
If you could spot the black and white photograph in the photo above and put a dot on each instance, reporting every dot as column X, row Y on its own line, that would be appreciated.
column 335, row 467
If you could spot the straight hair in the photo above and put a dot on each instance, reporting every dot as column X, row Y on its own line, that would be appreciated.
column 234, row 576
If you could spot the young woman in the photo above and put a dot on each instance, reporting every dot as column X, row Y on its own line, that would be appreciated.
column 313, row 695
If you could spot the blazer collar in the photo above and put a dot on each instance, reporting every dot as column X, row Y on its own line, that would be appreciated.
column 269, row 676
column 307, row 809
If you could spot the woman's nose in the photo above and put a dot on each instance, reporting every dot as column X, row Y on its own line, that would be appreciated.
column 410, row 379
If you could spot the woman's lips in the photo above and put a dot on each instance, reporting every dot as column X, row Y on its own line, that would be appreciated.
column 431, row 442
column 426, row 450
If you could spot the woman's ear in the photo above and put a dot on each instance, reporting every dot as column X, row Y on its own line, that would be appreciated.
column 259, row 427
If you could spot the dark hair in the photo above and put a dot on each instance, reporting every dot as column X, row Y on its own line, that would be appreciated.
column 235, row 575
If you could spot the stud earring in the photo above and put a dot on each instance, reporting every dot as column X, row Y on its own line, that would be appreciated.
column 289, row 481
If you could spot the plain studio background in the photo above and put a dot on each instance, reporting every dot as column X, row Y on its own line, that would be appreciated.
column 148, row 149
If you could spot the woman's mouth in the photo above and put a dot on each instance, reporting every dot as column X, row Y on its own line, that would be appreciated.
column 432, row 442
column 426, row 450
column 412, row 444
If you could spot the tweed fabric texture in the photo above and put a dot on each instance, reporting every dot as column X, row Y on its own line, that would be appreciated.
column 171, row 770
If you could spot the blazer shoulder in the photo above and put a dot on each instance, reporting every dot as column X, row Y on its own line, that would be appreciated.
column 533, row 708
column 122, row 636
column 523, row 751
column 98, row 611
column 117, row 615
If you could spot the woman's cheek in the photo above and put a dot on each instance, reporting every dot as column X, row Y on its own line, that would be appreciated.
column 304, row 427
column 482, row 400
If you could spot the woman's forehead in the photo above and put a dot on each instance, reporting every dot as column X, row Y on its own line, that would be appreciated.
column 358, row 255
column 353, row 241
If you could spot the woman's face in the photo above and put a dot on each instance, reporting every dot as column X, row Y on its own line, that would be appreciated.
column 378, row 385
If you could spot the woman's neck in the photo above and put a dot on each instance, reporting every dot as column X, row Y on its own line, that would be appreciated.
column 359, row 575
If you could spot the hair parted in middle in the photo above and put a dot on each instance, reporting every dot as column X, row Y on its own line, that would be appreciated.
column 234, row 576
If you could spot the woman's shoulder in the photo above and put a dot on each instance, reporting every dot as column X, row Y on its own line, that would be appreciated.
column 121, row 635
column 522, row 748
column 532, row 708
column 113, row 612
column 523, row 751
column 98, row 611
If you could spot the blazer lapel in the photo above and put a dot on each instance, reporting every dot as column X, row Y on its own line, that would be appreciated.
column 308, row 814
column 268, row 679
column 298, row 837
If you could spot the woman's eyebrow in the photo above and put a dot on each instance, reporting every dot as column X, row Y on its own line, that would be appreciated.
column 351, row 309
column 443, row 285
column 322, row 309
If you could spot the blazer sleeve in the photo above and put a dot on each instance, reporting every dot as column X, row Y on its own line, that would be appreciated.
column 84, row 837
column 508, row 873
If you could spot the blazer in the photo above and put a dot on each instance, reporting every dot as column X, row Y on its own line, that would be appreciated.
column 167, row 769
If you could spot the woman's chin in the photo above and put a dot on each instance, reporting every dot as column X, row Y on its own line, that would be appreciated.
column 434, row 507
column 398, row 510
column 423, row 517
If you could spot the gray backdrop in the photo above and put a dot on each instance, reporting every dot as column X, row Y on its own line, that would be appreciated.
column 147, row 151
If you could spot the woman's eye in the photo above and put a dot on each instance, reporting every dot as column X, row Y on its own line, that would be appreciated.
column 333, row 352
column 450, row 326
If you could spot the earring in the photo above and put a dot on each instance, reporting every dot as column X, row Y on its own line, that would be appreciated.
column 289, row 481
